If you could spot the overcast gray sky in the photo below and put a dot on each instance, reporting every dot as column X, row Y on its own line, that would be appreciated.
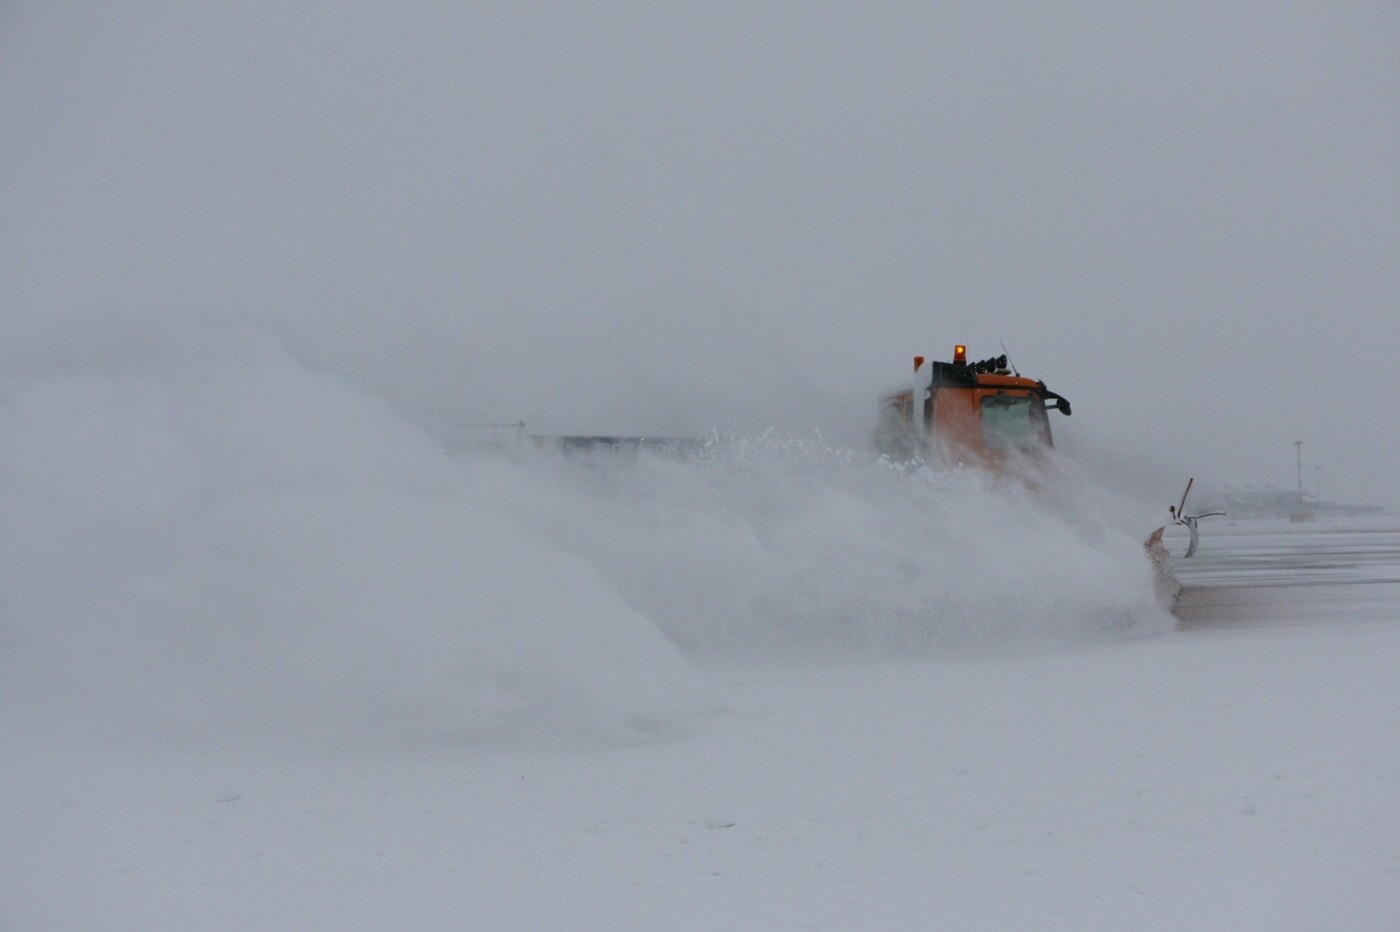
column 655, row 217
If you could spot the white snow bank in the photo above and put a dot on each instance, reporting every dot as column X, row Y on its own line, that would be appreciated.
column 220, row 543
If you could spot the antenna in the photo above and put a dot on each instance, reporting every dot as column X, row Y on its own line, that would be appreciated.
column 1182, row 507
column 1007, row 353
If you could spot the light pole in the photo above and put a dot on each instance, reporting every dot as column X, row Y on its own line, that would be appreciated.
column 1298, row 445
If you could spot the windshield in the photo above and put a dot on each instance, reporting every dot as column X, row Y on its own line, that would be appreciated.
column 1009, row 422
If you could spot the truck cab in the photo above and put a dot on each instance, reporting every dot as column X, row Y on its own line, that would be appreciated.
column 980, row 414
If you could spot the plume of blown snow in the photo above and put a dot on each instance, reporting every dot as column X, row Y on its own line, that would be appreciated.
column 789, row 547
column 211, row 541
column 221, row 545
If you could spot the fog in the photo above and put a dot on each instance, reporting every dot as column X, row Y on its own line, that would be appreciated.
column 608, row 218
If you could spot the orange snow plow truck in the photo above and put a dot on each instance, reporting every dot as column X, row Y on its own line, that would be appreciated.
column 978, row 414
column 986, row 415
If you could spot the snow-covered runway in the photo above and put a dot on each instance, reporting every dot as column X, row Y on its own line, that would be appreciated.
column 1224, row 775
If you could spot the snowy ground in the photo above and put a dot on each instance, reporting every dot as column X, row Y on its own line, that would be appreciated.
column 1240, row 772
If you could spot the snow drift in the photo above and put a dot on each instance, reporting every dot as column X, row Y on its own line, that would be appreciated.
column 211, row 541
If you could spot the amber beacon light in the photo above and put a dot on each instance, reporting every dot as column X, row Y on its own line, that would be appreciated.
column 959, row 355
